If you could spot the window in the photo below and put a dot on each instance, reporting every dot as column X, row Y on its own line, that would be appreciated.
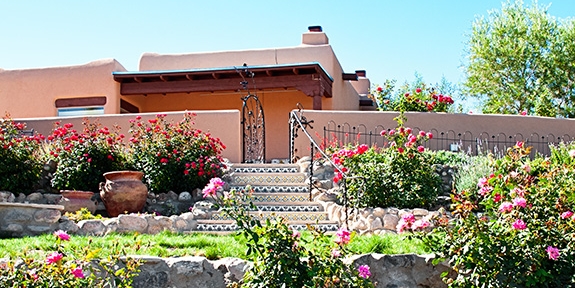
column 81, row 111
column 81, row 106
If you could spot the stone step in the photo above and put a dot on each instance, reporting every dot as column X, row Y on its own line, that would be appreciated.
column 265, row 168
column 215, row 226
column 280, row 197
column 284, row 188
column 262, row 179
column 289, row 216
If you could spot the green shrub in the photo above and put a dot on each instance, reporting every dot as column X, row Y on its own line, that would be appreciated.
column 20, row 166
column 398, row 175
column 174, row 156
column 83, row 157
column 524, row 235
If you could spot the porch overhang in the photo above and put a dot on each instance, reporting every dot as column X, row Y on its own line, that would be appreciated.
column 309, row 78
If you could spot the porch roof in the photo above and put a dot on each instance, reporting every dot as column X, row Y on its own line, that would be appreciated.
column 309, row 78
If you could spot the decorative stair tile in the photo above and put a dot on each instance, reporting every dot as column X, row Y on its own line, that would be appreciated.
column 267, row 178
column 276, row 189
column 280, row 197
column 279, row 190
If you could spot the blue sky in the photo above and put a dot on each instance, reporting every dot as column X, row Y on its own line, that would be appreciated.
column 391, row 39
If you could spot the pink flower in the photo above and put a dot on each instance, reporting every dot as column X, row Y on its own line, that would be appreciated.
column 482, row 182
column 553, row 252
column 78, row 273
column 212, row 188
column 524, row 112
column 364, row 271
column 400, row 149
column 164, row 160
column 383, row 132
column 497, row 198
column 572, row 153
column 343, row 236
column 420, row 149
column 520, row 201
column 519, row 225
column 485, row 190
column 505, row 207
column 54, row 258
column 335, row 253
column 420, row 224
column 296, row 234
column 62, row 235
column 422, row 133
column 519, row 144
column 566, row 214
column 429, row 135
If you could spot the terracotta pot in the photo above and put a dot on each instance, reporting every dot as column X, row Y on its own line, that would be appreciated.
column 74, row 200
column 123, row 192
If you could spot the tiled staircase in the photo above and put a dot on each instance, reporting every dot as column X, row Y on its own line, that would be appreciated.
column 279, row 190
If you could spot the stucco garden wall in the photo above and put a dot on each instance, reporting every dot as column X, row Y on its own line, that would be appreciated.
column 503, row 126
column 224, row 124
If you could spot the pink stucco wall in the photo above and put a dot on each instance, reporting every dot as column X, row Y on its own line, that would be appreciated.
column 502, row 126
column 224, row 124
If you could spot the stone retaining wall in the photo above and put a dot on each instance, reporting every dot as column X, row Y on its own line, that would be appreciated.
column 408, row 270
column 18, row 220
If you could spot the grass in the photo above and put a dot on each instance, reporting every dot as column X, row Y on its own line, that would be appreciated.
column 167, row 244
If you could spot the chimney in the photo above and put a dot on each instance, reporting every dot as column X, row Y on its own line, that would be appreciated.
column 314, row 36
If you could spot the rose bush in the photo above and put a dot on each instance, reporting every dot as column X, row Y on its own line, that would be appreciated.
column 397, row 175
column 20, row 166
column 281, row 255
column 418, row 98
column 174, row 156
column 83, row 157
column 66, row 267
column 516, row 228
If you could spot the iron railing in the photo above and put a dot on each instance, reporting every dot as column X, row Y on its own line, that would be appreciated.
column 299, row 121
column 482, row 143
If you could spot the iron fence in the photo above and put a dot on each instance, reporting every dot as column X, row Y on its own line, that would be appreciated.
column 481, row 143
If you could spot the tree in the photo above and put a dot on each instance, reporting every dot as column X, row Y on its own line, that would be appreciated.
column 522, row 60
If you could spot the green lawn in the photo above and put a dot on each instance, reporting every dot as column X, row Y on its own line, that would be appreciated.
column 168, row 244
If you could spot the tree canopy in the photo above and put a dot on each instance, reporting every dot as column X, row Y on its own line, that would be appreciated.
column 521, row 59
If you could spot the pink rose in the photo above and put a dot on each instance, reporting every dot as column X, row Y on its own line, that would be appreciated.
column 566, row 214
column 553, row 252
column 520, row 201
column 343, row 236
column 519, row 225
column 54, row 258
column 505, row 207
column 62, row 235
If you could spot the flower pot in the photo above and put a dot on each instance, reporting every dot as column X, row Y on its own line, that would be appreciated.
column 74, row 200
column 123, row 192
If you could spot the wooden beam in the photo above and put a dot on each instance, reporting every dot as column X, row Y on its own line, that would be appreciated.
column 80, row 101
column 309, row 84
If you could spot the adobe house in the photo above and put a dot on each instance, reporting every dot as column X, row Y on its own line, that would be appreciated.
column 308, row 75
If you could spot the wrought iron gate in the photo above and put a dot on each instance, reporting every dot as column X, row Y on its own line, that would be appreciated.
column 253, row 130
